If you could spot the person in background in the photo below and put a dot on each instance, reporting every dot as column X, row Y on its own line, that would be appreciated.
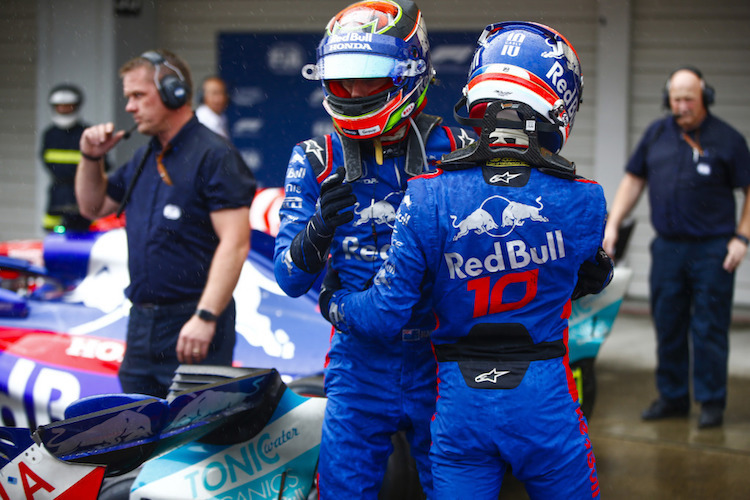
column 375, row 67
column 60, row 156
column 692, row 162
column 186, row 194
column 213, row 104
column 504, row 235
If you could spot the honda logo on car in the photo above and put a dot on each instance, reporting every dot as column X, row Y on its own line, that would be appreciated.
column 91, row 348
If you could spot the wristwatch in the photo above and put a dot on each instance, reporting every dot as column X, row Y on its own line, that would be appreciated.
column 206, row 315
column 744, row 239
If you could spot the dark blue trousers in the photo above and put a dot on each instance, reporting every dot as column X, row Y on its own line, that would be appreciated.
column 691, row 303
column 150, row 356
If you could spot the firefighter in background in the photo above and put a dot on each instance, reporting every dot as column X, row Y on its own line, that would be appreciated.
column 60, row 155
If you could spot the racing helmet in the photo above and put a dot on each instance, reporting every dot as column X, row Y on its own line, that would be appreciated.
column 61, row 95
column 531, row 64
column 374, row 39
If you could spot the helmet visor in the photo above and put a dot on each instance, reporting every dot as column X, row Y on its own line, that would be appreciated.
column 343, row 66
column 366, row 55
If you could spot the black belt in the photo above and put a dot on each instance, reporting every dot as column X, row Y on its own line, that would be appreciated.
column 694, row 239
column 499, row 342
column 535, row 352
column 156, row 305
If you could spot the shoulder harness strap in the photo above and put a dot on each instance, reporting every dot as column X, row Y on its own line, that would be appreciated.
column 482, row 151
column 415, row 152
column 415, row 159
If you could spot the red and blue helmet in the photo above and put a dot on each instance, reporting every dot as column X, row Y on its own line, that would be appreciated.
column 532, row 64
column 374, row 39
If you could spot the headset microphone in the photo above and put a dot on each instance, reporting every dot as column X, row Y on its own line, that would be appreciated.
column 130, row 131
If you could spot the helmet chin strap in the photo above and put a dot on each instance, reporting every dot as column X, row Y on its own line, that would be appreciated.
column 352, row 158
column 483, row 150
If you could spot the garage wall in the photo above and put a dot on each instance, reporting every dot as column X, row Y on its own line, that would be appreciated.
column 668, row 34
column 18, row 169
column 654, row 37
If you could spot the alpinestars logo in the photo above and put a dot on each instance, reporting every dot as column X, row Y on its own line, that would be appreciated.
column 505, row 178
column 490, row 376
column 313, row 147
column 481, row 221
column 465, row 139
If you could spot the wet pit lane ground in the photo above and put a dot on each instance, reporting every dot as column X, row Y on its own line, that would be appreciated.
column 667, row 459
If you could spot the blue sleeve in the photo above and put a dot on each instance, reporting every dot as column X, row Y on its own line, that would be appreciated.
column 385, row 308
column 301, row 195
column 740, row 159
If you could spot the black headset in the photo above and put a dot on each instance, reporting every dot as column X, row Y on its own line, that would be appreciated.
column 709, row 94
column 173, row 89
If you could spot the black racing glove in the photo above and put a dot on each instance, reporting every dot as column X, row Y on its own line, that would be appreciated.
column 309, row 249
column 594, row 275
column 331, row 284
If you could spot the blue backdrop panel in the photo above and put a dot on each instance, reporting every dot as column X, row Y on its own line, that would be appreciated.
column 273, row 107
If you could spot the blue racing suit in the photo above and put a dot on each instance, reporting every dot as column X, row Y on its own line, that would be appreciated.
column 375, row 386
column 501, row 245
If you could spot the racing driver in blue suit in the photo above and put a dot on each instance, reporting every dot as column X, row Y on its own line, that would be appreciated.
column 374, row 65
column 505, row 234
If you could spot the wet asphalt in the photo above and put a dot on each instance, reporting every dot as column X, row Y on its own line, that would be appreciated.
column 667, row 459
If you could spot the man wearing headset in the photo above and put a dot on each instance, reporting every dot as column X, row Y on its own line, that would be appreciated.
column 188, row 194
column 692, row 162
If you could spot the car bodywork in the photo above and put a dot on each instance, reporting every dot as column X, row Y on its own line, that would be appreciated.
column 63, row 318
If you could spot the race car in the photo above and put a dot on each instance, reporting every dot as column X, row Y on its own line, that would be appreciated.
column 63, row 318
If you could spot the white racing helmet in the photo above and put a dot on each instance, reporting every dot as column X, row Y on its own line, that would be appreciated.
column 531, row 64
column 65, row 94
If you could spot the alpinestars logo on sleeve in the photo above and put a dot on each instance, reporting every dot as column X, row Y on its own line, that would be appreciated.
column 313, row 147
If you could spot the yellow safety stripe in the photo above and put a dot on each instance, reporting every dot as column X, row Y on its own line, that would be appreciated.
column 50, row 221
column 62, row 156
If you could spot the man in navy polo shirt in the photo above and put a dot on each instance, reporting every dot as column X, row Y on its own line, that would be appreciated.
column 692, row 162
column 188, row 194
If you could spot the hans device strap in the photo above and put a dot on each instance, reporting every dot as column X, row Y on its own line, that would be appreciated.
column 482, row 151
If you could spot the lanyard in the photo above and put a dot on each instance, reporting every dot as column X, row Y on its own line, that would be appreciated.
column 697, row 150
